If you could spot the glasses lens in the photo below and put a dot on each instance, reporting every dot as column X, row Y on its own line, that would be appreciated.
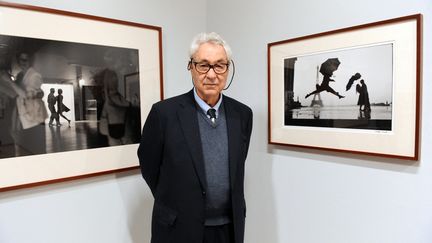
column 202, row 67
column 220, row 68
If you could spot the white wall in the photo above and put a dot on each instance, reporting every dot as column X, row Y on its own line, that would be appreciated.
column 308, row 196
column 113, row 208
column 293, row 195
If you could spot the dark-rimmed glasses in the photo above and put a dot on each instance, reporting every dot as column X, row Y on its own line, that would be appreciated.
column 204, row 67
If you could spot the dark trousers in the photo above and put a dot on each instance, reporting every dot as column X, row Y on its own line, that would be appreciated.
column 219, row 234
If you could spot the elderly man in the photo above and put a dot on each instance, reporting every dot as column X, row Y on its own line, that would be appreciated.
column 193, row 151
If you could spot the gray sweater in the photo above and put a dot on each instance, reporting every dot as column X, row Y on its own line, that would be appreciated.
column 214, row 140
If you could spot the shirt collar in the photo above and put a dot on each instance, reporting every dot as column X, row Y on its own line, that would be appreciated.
column 204, row 106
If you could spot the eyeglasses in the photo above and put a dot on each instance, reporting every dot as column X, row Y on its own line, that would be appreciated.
column 203, row 67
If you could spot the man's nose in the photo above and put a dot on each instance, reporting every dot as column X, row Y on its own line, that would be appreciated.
column 211, row 74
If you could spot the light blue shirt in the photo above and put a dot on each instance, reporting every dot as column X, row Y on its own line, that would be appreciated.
column 205, row 107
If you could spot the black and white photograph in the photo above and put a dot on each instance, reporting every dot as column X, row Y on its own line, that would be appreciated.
column 350, row 88
column 73, row 93
column 355, row 89
column 59, row 96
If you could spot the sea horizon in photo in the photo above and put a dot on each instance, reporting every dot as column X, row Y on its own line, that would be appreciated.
column 340, row 112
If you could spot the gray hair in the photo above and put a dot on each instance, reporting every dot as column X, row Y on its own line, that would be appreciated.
column 212, row 37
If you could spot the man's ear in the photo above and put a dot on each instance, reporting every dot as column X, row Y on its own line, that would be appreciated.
column 189, row 65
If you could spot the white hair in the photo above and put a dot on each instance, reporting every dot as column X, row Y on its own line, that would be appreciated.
column 212, row 37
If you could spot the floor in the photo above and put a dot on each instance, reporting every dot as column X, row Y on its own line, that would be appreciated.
column 79, row 135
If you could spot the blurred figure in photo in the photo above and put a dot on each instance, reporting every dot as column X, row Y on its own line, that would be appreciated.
column 28, row 119
column 114, row 118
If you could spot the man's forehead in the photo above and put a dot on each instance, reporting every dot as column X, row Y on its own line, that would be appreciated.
column 211, row 60
column 210, row 48
column 211, row 54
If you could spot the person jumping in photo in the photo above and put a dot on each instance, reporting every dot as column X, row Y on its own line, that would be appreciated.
column 325, row 86
column 327, row 69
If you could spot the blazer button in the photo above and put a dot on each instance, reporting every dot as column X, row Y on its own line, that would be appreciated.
column 203, row 193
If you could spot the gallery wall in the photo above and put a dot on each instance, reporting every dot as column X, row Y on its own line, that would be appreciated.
column 113, row 208
column 293, row 195
column 309, row 196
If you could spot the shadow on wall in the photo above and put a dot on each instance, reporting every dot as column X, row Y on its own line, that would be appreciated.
column 352, row 159
column 138, row 202
column 261, row 217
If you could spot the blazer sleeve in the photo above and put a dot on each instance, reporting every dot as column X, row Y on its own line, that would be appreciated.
column 249, row 129
column 151, row 148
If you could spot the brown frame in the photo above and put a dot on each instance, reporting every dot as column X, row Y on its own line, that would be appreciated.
column 86, row 167
column 279, row 134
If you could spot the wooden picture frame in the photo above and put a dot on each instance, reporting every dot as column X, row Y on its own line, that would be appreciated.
column 318, row 84
column 86, row 33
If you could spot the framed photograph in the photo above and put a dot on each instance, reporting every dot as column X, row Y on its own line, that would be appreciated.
column 72, row 102
column 355, row 90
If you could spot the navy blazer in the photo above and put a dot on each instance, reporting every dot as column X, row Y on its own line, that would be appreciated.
column 171, row 160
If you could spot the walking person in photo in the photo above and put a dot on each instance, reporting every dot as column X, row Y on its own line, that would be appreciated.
column 52, row 100
column 61, row 107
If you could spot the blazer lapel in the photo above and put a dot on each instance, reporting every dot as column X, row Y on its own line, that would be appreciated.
column 189, row 123
column 234, row 138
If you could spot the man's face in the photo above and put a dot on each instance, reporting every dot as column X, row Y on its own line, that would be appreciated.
column 24, row 61
column 209, row 85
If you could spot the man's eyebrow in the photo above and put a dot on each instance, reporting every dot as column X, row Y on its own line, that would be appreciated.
column 222, row 60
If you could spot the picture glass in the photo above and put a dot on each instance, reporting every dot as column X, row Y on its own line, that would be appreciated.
column 350, row 88
column 92, row 85
column 72, row 103
column 355, row 89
